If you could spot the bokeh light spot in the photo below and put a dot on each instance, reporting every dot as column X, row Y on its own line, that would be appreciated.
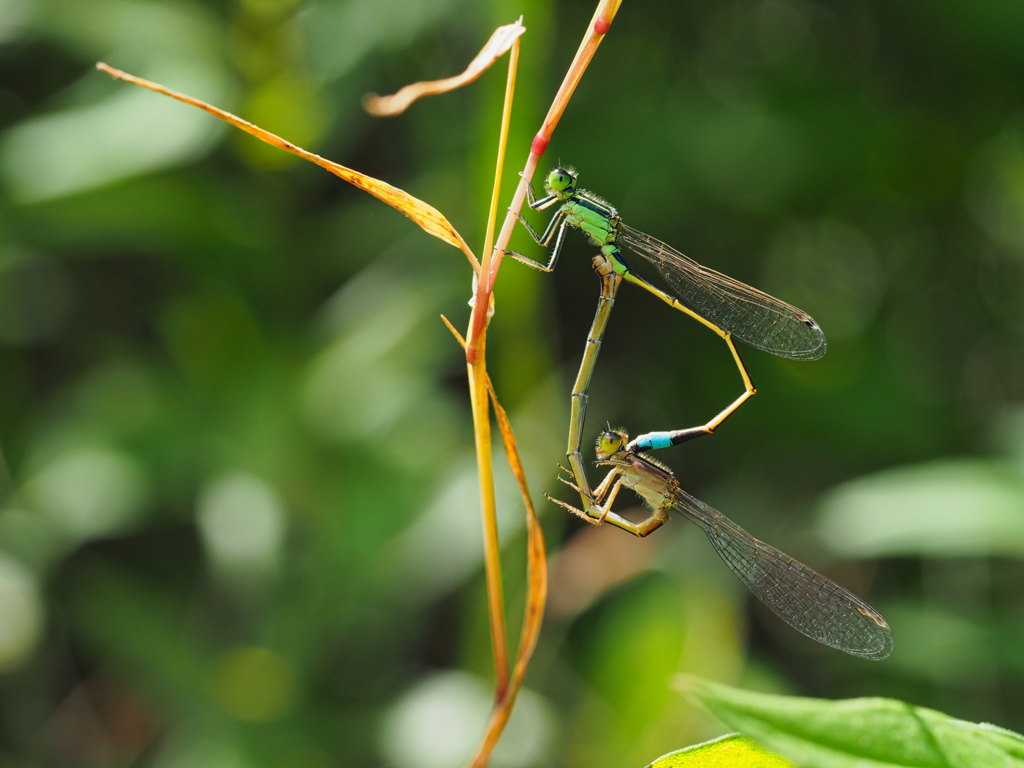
column 240, row 520
column 21, row 614
column 438, row 723
column 90, row 492
column 994, row 192
column 254, row 684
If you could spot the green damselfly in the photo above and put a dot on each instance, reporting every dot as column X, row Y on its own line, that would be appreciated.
column 809, row 602
column 728, row 307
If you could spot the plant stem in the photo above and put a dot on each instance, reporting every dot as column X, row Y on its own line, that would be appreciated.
column 599, row 26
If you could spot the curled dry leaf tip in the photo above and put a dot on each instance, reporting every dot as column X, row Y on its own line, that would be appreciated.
column 496, row 47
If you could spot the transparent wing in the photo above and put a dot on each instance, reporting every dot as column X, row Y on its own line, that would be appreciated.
column 800, row 596
column 750, row 315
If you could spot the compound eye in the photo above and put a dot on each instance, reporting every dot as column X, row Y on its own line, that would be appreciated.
column 559, row 180
column 610, row 442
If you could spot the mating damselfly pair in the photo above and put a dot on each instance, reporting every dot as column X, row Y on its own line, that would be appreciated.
column 799, row 595
column 807, row 600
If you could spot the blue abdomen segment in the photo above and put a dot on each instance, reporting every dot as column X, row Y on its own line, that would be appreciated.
column 653, row 441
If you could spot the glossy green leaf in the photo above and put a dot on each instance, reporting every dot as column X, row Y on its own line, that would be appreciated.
column 866, row 733
column 733, row 751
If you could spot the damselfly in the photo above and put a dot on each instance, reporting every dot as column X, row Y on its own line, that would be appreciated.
column 800, row 596
column 728, row 307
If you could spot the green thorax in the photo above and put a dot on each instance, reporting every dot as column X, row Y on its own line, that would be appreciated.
column 593, row 216
column 589, row 213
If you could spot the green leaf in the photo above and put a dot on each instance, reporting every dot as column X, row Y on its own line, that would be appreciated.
column 733, row 751
column 919, row 510
column 866, row 733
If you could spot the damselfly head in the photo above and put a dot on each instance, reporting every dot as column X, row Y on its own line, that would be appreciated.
column 560, row 180
column 610, row 442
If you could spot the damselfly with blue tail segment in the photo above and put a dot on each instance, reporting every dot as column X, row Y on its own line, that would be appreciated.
column 728, row 307
column 800, row 596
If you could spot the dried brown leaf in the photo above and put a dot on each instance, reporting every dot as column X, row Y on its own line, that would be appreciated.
column 495, row 48
column 429, row 218
column 537, row 585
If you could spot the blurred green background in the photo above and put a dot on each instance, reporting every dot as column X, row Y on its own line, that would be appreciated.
column 238, row 506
